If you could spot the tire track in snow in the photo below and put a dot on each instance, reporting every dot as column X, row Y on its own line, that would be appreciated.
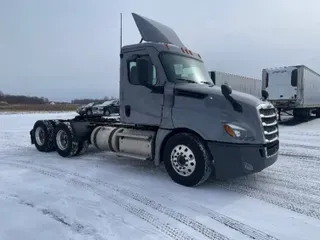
column 294, row 145
column 258, row 194
column 304, row 200
column 206, row 231
column 306, row 157
column 312, row 179
column 227, row 221
column 277, row 201
column 268, row 196
column 166, row 228
column 277, row 178
column 295, row 164
column 59, row 217
column 299, row 134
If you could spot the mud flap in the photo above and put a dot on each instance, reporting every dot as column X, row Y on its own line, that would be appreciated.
column 81, row 130
column 32, row 137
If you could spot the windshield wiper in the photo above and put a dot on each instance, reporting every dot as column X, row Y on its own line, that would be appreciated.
column 208, row 83
column 186, row 80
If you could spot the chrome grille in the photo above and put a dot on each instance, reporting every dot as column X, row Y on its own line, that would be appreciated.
column 268, row 117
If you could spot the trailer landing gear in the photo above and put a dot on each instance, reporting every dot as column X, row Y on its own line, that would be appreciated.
column 279, row 114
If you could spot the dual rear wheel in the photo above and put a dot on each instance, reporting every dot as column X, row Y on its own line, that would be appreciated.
column 57, row 136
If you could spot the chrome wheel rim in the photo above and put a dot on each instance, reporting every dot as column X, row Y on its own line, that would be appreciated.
column 62, row 140
column 40, row 136
column 183, row 160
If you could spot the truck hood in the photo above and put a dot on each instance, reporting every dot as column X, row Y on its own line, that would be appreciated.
column 215, row 91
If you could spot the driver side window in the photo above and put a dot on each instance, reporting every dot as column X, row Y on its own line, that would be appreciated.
column 133, row 74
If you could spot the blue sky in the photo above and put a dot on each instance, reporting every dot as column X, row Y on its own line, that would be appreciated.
column 66, row 49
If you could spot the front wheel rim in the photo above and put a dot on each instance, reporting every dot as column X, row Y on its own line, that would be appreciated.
column 62, row 140
column 183, row 160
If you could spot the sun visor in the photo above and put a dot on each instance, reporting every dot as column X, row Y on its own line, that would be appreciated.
column 152, row 31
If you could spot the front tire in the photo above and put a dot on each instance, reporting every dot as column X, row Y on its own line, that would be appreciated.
column 64, row 140
column 187, row 160
column 44, row 135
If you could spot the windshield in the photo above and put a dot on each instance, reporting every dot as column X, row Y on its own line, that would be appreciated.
column 185, row 69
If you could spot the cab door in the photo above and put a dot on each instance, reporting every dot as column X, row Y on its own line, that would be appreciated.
column 140, row 104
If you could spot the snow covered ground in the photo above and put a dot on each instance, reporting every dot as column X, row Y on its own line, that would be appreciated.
column 100, row 196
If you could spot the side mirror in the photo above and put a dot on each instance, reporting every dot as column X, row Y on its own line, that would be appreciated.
column 226, row 90
column 264, row 94
column 144, row 71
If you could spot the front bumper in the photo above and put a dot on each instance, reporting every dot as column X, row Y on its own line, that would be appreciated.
column 235, row 160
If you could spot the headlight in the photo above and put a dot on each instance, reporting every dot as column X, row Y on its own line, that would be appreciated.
column 235, row 131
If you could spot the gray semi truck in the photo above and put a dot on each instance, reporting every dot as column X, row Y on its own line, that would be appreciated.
column 171, row 112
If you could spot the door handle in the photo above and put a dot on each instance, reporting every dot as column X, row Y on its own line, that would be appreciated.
column 127, row 110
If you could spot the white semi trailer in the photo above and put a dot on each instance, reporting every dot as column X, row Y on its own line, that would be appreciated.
column 293, row 88
column 239, row 83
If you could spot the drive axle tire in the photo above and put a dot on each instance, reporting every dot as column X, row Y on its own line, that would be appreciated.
column 82, row 148
column 44, row 135
column 187, row 159
column 64, row 141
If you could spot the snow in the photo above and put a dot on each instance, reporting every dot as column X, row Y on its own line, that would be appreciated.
column 101, row 196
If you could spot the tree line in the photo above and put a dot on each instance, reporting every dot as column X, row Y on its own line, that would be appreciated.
column 89, row 100
column 22, row 99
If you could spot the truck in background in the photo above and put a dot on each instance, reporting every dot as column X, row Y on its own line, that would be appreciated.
column 86, row 109
column 106, row 108
column 171, row 112
column 294, row 90
column 239, row 83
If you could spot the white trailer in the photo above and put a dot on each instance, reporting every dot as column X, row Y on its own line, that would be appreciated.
column 295, row 88
column 239, row 83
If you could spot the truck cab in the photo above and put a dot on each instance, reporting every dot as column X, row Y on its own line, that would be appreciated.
column 166, row 85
